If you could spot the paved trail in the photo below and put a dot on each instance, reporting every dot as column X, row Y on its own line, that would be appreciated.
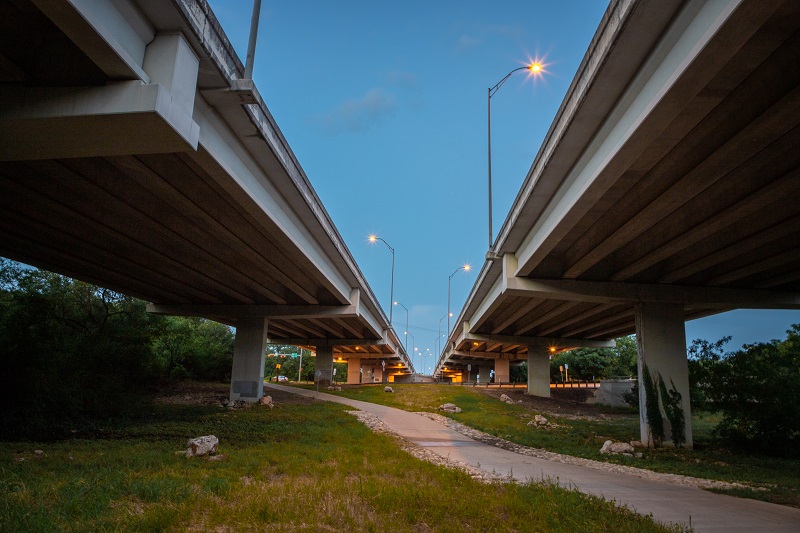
column 668, row 502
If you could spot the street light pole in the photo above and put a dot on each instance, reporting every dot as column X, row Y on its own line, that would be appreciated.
column 536, row 68
column 404, row 307
column 373, row 238
column 414, row 344
column 439, row 337
column 465, row 268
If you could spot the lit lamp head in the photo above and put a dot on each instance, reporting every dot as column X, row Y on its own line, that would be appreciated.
column 536, row 67
column 373, row 238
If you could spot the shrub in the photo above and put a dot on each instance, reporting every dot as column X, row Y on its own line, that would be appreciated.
column 756, row 390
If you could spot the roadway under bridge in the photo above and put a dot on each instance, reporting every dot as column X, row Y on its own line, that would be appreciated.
column 134, row 155
column 665, row 190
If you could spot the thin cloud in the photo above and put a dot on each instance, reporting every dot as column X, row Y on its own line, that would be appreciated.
column 402, row 78
column 465, row 42
column 358, row 116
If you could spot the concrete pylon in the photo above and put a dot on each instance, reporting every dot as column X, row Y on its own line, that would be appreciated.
column 502, row 371
column 324, row 364
column 665, row 414
column 353, row 371
column 484, row 372
column 249, row 348
column 539, row 371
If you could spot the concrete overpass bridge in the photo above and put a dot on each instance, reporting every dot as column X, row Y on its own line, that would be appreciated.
column 134, row 155
column 665, row 190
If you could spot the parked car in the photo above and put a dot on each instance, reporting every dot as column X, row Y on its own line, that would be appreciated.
column 279, row 378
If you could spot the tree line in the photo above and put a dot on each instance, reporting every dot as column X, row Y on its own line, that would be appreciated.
column 74, row 352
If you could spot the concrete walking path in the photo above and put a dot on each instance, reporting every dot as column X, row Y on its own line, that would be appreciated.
column 667, row 502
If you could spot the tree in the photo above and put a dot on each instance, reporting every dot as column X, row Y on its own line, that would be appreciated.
column 756, row 390
column 72, row 349
column 703, row 358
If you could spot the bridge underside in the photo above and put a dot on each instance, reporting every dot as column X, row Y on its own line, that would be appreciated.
column 134, row 156
column 664, row 191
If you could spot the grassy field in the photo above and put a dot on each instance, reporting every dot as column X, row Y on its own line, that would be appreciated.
column 770, row 479
column 303, row 466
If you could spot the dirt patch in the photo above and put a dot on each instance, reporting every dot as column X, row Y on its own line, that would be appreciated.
column 202, row 393
column 565, row 403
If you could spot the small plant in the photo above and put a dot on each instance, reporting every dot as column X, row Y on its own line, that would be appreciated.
column 671, row 401
column 655, row 422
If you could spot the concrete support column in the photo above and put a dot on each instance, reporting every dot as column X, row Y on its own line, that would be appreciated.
column 665, row 414
column 324, row 364
column 502, row 371
column 539, row 371
column 484, row 372
column 249, row 347
column 353, row 371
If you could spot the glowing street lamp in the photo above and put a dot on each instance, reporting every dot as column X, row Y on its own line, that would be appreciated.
column 406, row 308
column 372, row 239
column 465, row 268
column 536, row 68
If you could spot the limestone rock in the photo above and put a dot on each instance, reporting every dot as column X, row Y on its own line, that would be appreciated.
column 449, row 408
column 334, row 387
column 637, row 444
column 539, row 421
column 239, row 404
column 219, row 457
column 505, row 398
column 388, row 389
column 200, row 446
column 616, row 447
column 266, row 400
column 38, row 452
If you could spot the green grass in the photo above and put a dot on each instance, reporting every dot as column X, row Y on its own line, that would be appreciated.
column 772, row 479
column 298, row 467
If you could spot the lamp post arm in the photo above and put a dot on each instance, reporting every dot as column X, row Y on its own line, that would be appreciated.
column 501, row 82
column 391, row 287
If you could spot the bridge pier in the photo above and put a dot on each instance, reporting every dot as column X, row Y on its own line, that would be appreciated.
column 353, row 371
column 324, row 364
column 665, row 414
column 247, row 373
column 483, row 374
column 538, row 371
column 502, row 371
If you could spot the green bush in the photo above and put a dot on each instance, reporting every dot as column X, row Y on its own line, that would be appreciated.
column 70, row 350
column 76, row 352
column 756, row 389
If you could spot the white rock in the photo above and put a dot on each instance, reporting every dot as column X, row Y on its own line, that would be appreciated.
column 637, row 444
column 201, row 446
column 505, row 398
column 388, row 389
column 38, row 452
column 616, row 447
column 266, row 400
column 450, row 408
column 539, row 420
column 621, row 447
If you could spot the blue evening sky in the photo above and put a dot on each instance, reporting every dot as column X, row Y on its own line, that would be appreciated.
column 384, row 105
